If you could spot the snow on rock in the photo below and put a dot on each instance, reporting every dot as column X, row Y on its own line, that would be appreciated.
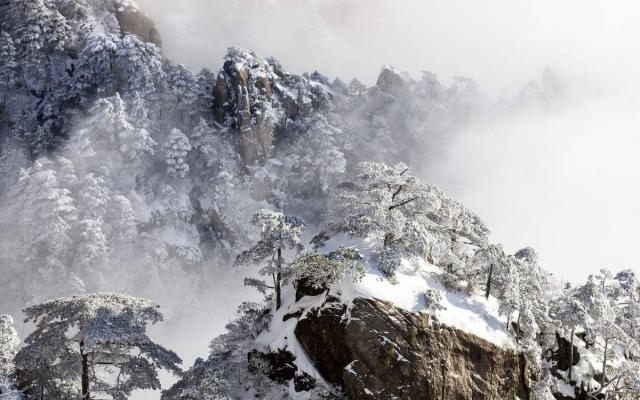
column 472, row 314
column 281, row 336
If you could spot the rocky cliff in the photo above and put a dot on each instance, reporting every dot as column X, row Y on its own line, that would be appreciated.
column 379, row 351
column 134, row 21
column 256, row 97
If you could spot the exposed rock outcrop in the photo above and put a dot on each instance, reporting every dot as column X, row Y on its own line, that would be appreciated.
column 136, row 22
column 280, row 367
column 562, row 355
column 379, row 351
column 256, row 98
column 391, row 81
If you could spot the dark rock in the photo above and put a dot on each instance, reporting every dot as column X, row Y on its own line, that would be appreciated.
column 391, row 82
column 244, row 93
column 279, row 367
column 135, row 22
column 303, row 382
column 305, row 288
column 562, row 356
column 323, row 338
column 383, row 352
column 289, row 316
column 256, row 98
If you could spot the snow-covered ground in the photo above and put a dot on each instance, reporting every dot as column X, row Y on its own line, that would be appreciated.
column 472, row 314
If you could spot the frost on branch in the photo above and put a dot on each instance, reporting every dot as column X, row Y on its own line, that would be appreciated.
column 92, row 344
column 9, row 342
column 278, row 233
column 409, row 218
column 177, row 147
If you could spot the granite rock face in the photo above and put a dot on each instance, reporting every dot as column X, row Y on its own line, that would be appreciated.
column 257, row 98
column 136, row 22
column 383, row 352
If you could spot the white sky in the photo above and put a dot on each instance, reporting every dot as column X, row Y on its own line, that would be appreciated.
column 567, row 184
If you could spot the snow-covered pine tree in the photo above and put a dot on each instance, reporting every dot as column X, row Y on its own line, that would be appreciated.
column 205, row 99
column 9, row 342
column 177, row 147
column 314, row 161
column 603, row 318
column 406, row 216
column 107, row 143
column 322, row 271
column 571, row 314
column 91, row 345
column 139, row 67
column 225, row 373
column 8, row 68
column 278, row 233
column 45, row 213
column 183, row 87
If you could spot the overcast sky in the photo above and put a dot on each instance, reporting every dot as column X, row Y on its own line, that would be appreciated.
column 567, row 184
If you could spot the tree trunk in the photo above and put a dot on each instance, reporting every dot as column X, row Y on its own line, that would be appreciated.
column 571, row 357
column 604, row 362
column 488, row 290
column 85, row 372
column 278, row 281
column 518, row 327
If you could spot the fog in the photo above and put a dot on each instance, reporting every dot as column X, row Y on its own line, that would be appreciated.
column 565, row 182
column 563, row 179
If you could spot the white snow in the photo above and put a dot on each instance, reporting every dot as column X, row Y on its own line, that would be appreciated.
column 472, row 314
column 566, row 390
column 280, row 334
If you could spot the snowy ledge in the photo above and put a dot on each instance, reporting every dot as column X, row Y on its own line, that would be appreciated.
column 471, row 314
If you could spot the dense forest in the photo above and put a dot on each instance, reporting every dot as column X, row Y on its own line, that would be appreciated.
column 123, row 174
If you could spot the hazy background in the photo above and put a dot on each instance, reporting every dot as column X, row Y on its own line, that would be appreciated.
column 566, row 182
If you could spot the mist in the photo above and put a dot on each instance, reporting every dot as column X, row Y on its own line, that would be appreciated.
column 536, row 176
column 560, row 176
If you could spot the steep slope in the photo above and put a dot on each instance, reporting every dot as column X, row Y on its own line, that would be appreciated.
column 380, row 351
column 122, row 170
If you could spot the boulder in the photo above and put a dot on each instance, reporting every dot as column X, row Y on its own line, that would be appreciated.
column 383, row 352
column 304, row 287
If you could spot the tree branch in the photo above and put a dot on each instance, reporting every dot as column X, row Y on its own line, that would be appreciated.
column 403, row 203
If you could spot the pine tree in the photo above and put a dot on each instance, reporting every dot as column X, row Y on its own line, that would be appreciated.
column 8, row 68
column 315, row 161
column 95, row 75
column 45, row 214
column 8, row 345
column 177, row 147
column 106, row 142
column 183, row 88
column 139, row 67
column 572, row 314
column 205, row 86
column 279, row 233
column 37, row 29
column 406, row 216
column 92, row 345
column 322, row 271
